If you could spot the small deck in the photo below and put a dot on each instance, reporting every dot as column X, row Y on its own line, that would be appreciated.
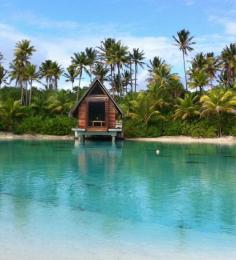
column 81, row 133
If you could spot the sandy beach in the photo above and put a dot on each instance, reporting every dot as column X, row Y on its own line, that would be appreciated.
column 10, row 136
column 226, row 140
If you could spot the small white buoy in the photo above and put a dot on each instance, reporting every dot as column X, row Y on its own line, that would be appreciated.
column 157, row 152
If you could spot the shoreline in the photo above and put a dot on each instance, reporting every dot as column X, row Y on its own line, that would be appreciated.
column 225, row 140
column 37, row 137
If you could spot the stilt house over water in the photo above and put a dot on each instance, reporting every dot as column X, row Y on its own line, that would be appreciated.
column 97, row 113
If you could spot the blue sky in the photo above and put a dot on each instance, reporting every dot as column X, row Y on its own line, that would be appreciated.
column 59, row 28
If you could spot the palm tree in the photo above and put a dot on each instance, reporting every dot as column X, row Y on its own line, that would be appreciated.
column 156, row 62
column 144, row 109
column 162, row 76
column 91, row 55
column 125, row 80
column 3, row 74
column 120, row 56
column 137, row 58
column 11, row 111
column 218, row 102
column 212, row 66
column 60, row 102
column 22, row 53
column 184, row 41
column 106, row 54
column 57, row 71
column 100, row 72
column 51, row 71
column 71, row 74
column 187, row 107
column 32, row 75
column 130, row 64
column 199, row 79
column 228, row 57
column 39, row 104
column 79, row 60
column 45, row 72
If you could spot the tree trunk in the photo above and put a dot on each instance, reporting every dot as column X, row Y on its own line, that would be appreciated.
column 80, row 76
column 185, row 74
column 90, row 70
column 112, row 87
column 26, row 93
column 22, row 93
column 135, row 76
column 30, row 94
column 131, row 76
column 119, row 83
column 56, row 85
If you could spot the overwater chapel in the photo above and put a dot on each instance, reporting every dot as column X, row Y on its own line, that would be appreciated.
column 97, row 113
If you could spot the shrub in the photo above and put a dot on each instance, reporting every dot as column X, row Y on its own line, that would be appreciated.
column 60, row 125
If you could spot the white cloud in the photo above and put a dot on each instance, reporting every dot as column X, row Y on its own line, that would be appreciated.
column 228, row 22
column 62, row 48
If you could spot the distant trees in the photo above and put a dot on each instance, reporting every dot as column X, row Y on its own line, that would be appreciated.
column 205, row 106
column 184, row 41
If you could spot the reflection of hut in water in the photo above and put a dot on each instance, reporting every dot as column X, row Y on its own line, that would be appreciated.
column 105, row 158
column 97, row 113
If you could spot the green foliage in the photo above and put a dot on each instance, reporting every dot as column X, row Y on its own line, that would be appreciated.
column 164, row 108
column 60, row 125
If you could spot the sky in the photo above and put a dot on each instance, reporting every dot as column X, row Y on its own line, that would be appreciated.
column 59, row 28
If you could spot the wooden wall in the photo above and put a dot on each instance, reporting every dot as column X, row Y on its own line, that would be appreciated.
column 110, row 110
column 111, row 115
column 82, row 115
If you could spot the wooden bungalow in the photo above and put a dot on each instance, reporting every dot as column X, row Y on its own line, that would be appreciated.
column 97, row 113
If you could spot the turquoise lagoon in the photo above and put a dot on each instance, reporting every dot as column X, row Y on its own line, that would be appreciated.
column 69, row 195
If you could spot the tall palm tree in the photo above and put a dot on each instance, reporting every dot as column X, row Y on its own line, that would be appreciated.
column 22, row 53
column 51, row 71
column 156, row 62
column 218, row 102
column 101, row 72
column 91, row 55
column 184, row 41
column 212, row 66
column 71, row 74
column 3, row 75
column 126, row 80
column 106, row 54
column 228, row 57
column 46, row 72
column 57, row 71
column 137, row 58
column 31, row 75
column 79, row 60
column 120, row 56
column 130, row 64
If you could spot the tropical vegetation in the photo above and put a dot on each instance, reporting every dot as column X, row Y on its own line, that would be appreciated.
column 33, row 98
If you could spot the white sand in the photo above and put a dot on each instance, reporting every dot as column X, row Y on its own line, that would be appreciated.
column 10, row 136
column 229, row 140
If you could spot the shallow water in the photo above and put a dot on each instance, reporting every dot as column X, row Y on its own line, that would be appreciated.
column 123, row 195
